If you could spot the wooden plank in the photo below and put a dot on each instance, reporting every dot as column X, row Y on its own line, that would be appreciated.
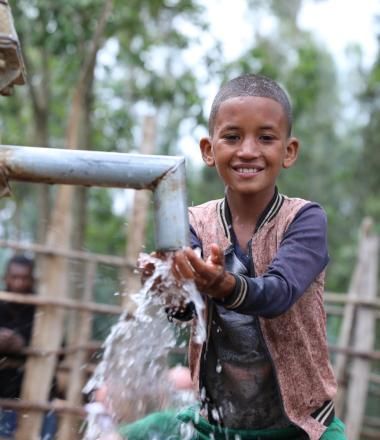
column 349, row 315
column 48, row 326
column 370, row 434
column 58, row 406
column 130, row 280
column 363, row 339
column 357, row 353
column 64, row 252
column 339, row 311
column 48, row 302
column 355, row 299
column 372, row 422
column 77, row 375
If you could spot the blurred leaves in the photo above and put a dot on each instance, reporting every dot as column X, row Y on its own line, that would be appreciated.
column 145, row 66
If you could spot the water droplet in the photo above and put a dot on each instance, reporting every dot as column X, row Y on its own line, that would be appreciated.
column 215, row 414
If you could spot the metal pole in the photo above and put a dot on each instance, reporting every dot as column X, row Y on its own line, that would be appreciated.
column 170, row 207
column 164, row 175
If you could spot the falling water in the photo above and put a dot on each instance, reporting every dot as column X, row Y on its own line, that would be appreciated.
column 133, row 369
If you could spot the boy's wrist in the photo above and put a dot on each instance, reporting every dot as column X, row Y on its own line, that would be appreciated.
column 238, row 294
column 224, row 288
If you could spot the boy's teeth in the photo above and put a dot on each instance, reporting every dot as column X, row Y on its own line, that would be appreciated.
column 248, row 170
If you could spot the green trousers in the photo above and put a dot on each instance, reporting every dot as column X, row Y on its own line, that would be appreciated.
column 170, row 425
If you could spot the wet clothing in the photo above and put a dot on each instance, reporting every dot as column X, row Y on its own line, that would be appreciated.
column 238, row 370
column 273, row 324
column 205, row 430
column 169, row 425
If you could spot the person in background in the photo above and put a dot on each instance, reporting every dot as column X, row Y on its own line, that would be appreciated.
column 16, row 323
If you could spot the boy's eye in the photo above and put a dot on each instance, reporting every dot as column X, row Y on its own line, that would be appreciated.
column 231, row 137
column 266, row 138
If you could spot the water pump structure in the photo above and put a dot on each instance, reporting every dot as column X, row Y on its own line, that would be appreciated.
column 164, row 175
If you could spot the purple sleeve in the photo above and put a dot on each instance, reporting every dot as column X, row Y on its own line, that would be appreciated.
column 301, row 257
column 194, row 240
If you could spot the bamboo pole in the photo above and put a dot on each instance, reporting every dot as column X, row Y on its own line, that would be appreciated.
column 131, row 282
column 352, row 298
column 356, row 353
column 47, row 334
column 363, row 337
column 64, row 252
column 64, row 303
column 77, row 377
column 349, row 316
column 339, row 311
column 58, row 406
column 370, row 434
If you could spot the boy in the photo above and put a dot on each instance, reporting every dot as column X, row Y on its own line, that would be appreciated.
column 264, row 368
column 263, row 371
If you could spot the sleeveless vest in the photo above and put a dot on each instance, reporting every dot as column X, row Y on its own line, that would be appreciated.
column 296, row 340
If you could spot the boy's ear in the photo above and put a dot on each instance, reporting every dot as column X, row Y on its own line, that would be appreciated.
column 291, row 152
column 206, row 150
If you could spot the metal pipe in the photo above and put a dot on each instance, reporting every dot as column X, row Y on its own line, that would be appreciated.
column 164, row 175
column 170, row 206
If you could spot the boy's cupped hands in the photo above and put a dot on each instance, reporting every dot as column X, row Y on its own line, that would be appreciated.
column 210, row 275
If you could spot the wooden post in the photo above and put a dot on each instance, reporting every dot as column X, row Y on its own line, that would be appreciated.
column 345, row 334
column 48, row 323
column 137, row 224
column 364, row 334
column 344, row 339
column 77, row 375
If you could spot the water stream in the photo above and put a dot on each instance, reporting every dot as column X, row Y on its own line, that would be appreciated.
column 133, row 373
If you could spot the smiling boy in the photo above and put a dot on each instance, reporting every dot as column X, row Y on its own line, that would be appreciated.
column 264, row 370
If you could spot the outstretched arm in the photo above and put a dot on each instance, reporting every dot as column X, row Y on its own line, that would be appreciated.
column 301, row 257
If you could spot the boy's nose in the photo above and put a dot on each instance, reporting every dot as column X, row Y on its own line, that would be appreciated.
column 249, row 148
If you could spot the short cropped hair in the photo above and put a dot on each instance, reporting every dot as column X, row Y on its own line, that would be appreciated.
column 251, row 85
column 22, row 260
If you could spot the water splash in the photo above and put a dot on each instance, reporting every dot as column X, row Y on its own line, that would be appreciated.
column 133, row 369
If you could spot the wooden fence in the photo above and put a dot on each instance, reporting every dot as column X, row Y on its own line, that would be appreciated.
column 78, row 363
column 356, row 357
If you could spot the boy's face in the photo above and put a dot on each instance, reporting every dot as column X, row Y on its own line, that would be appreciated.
column 250, row 145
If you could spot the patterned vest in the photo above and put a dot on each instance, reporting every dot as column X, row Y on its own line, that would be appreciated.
column 296, row 340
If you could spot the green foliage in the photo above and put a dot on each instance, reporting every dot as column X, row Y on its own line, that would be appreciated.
column 143, row 69
column 105, row 232
column 325, row 167
column 368, row 164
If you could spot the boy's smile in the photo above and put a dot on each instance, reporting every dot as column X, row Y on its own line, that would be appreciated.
column 250, row 145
